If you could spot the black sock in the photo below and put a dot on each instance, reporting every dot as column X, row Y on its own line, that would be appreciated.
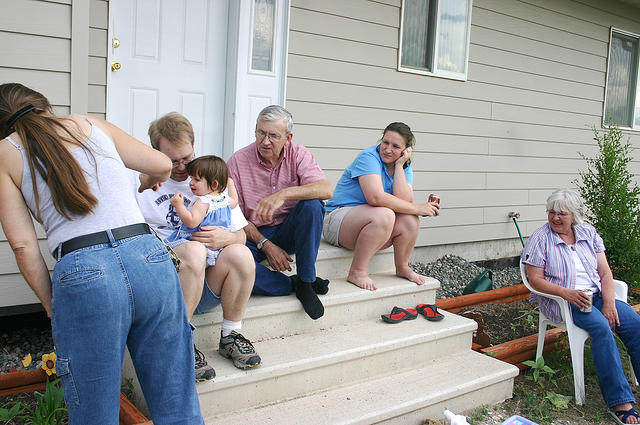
column 320, row 286
column 310, row 302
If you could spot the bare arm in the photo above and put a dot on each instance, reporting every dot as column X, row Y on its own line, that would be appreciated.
column 371, row 185
column 537, row 280
column 608, row 291
column 19, row 230
column 276, row 256
column 191, row 218
column 216, row 238
column 233, row 193
column 320, row 189
column 401, row 188
column 253, row 234
column 153, row 164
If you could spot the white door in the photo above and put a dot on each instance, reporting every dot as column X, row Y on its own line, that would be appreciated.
column 257, row 65
column 172, row 57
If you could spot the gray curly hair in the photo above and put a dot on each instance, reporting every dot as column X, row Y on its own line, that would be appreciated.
column 567, row 199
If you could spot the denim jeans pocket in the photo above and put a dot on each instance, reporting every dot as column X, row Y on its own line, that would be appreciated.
column 76, row 277
column 63, row 371
column 158, row 255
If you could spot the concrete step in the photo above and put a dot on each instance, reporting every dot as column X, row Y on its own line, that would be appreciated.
column 458, row 381
column 334, row 261
column 275, row 317
column 314, row 361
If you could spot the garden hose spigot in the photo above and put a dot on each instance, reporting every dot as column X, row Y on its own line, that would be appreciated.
column 514, row 216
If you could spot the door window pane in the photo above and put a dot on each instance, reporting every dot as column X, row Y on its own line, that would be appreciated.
column 263, row 28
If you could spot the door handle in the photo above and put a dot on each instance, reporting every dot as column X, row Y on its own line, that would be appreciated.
column 115, row 66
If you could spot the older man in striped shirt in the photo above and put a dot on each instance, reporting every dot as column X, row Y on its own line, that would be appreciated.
column 281, row 189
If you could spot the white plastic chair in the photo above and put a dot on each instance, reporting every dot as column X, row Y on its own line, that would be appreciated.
column 577, row 335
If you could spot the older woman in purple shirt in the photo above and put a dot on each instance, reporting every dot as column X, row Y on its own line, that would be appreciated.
column 562, row 258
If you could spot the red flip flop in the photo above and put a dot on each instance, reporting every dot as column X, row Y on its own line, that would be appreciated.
column 430, row 312
column 399, row 314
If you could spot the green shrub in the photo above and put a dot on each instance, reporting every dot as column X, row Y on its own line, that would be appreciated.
column 613, row 205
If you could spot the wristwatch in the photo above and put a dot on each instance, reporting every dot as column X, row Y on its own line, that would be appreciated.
column 261, row 243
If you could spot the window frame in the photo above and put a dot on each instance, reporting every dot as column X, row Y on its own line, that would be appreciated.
column 461, row 76
column 636, row 87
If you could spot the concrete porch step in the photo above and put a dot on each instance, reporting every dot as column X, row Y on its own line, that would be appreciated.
column 458, row 381
column 313, row 361
column 274, row 317
column 334, row 261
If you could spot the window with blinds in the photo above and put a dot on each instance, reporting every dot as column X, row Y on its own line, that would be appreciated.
column 434, row 37
column 622, row 99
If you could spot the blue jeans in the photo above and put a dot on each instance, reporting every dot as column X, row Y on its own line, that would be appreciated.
column 299, row 234
column 208, row 300
column 117, row 293
column 613, row 383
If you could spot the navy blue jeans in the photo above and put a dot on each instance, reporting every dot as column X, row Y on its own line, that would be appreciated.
column 299, row 234
column 121, row 293
column 606, row 357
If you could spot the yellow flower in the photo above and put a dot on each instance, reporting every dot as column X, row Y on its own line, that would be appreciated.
column 27, row 360
column 49, row 363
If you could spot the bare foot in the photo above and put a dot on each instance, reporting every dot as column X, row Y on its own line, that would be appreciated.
column 362, row 280
column 409, row 274
column 626, row 406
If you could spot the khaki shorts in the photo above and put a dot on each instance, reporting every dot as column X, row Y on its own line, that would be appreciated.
column 332, row 222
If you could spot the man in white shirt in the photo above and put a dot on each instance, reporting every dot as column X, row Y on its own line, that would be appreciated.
column 172, row 135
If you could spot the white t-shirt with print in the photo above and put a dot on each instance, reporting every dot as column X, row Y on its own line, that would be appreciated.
column 161, row 215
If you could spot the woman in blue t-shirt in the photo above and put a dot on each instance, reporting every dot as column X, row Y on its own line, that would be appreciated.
column 372, row 206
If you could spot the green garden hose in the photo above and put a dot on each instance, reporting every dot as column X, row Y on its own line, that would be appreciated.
column 514, row 216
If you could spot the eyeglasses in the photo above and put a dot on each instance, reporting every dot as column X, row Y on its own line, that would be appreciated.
column 272, row 136
column 176, row 164
column 560, row 213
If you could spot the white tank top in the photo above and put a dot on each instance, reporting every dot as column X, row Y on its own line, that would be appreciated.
column 583, row 281
column 109, row 182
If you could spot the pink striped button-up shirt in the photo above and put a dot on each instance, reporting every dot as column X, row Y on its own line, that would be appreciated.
column 545, row 249
column 255, row 179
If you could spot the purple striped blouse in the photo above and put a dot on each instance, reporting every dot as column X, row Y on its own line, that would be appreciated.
column 545, row 249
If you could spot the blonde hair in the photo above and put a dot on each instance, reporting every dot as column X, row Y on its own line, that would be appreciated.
column 174, row 127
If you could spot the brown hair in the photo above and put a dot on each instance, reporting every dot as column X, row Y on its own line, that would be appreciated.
column 405, row 131
column 211, row 168
column 43, row 136
column 174, row 127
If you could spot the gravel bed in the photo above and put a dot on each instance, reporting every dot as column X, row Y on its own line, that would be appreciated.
column 454, row 273
column 26, row 334
column 16, row 342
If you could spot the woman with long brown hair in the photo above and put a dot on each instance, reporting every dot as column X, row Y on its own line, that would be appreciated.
column 113, row 282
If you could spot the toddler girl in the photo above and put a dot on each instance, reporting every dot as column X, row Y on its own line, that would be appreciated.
column 212, row 205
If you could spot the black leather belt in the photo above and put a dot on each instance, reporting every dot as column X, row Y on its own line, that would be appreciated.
column 102, row 237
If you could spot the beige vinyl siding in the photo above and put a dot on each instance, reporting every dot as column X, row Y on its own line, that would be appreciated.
column 36, row 50
column 97, row 65
column 499, row 142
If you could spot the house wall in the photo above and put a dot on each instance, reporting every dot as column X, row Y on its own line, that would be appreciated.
column 41, row 43
column 499, row 142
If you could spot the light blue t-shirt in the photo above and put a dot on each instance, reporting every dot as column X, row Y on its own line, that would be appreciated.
column 348, row 192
